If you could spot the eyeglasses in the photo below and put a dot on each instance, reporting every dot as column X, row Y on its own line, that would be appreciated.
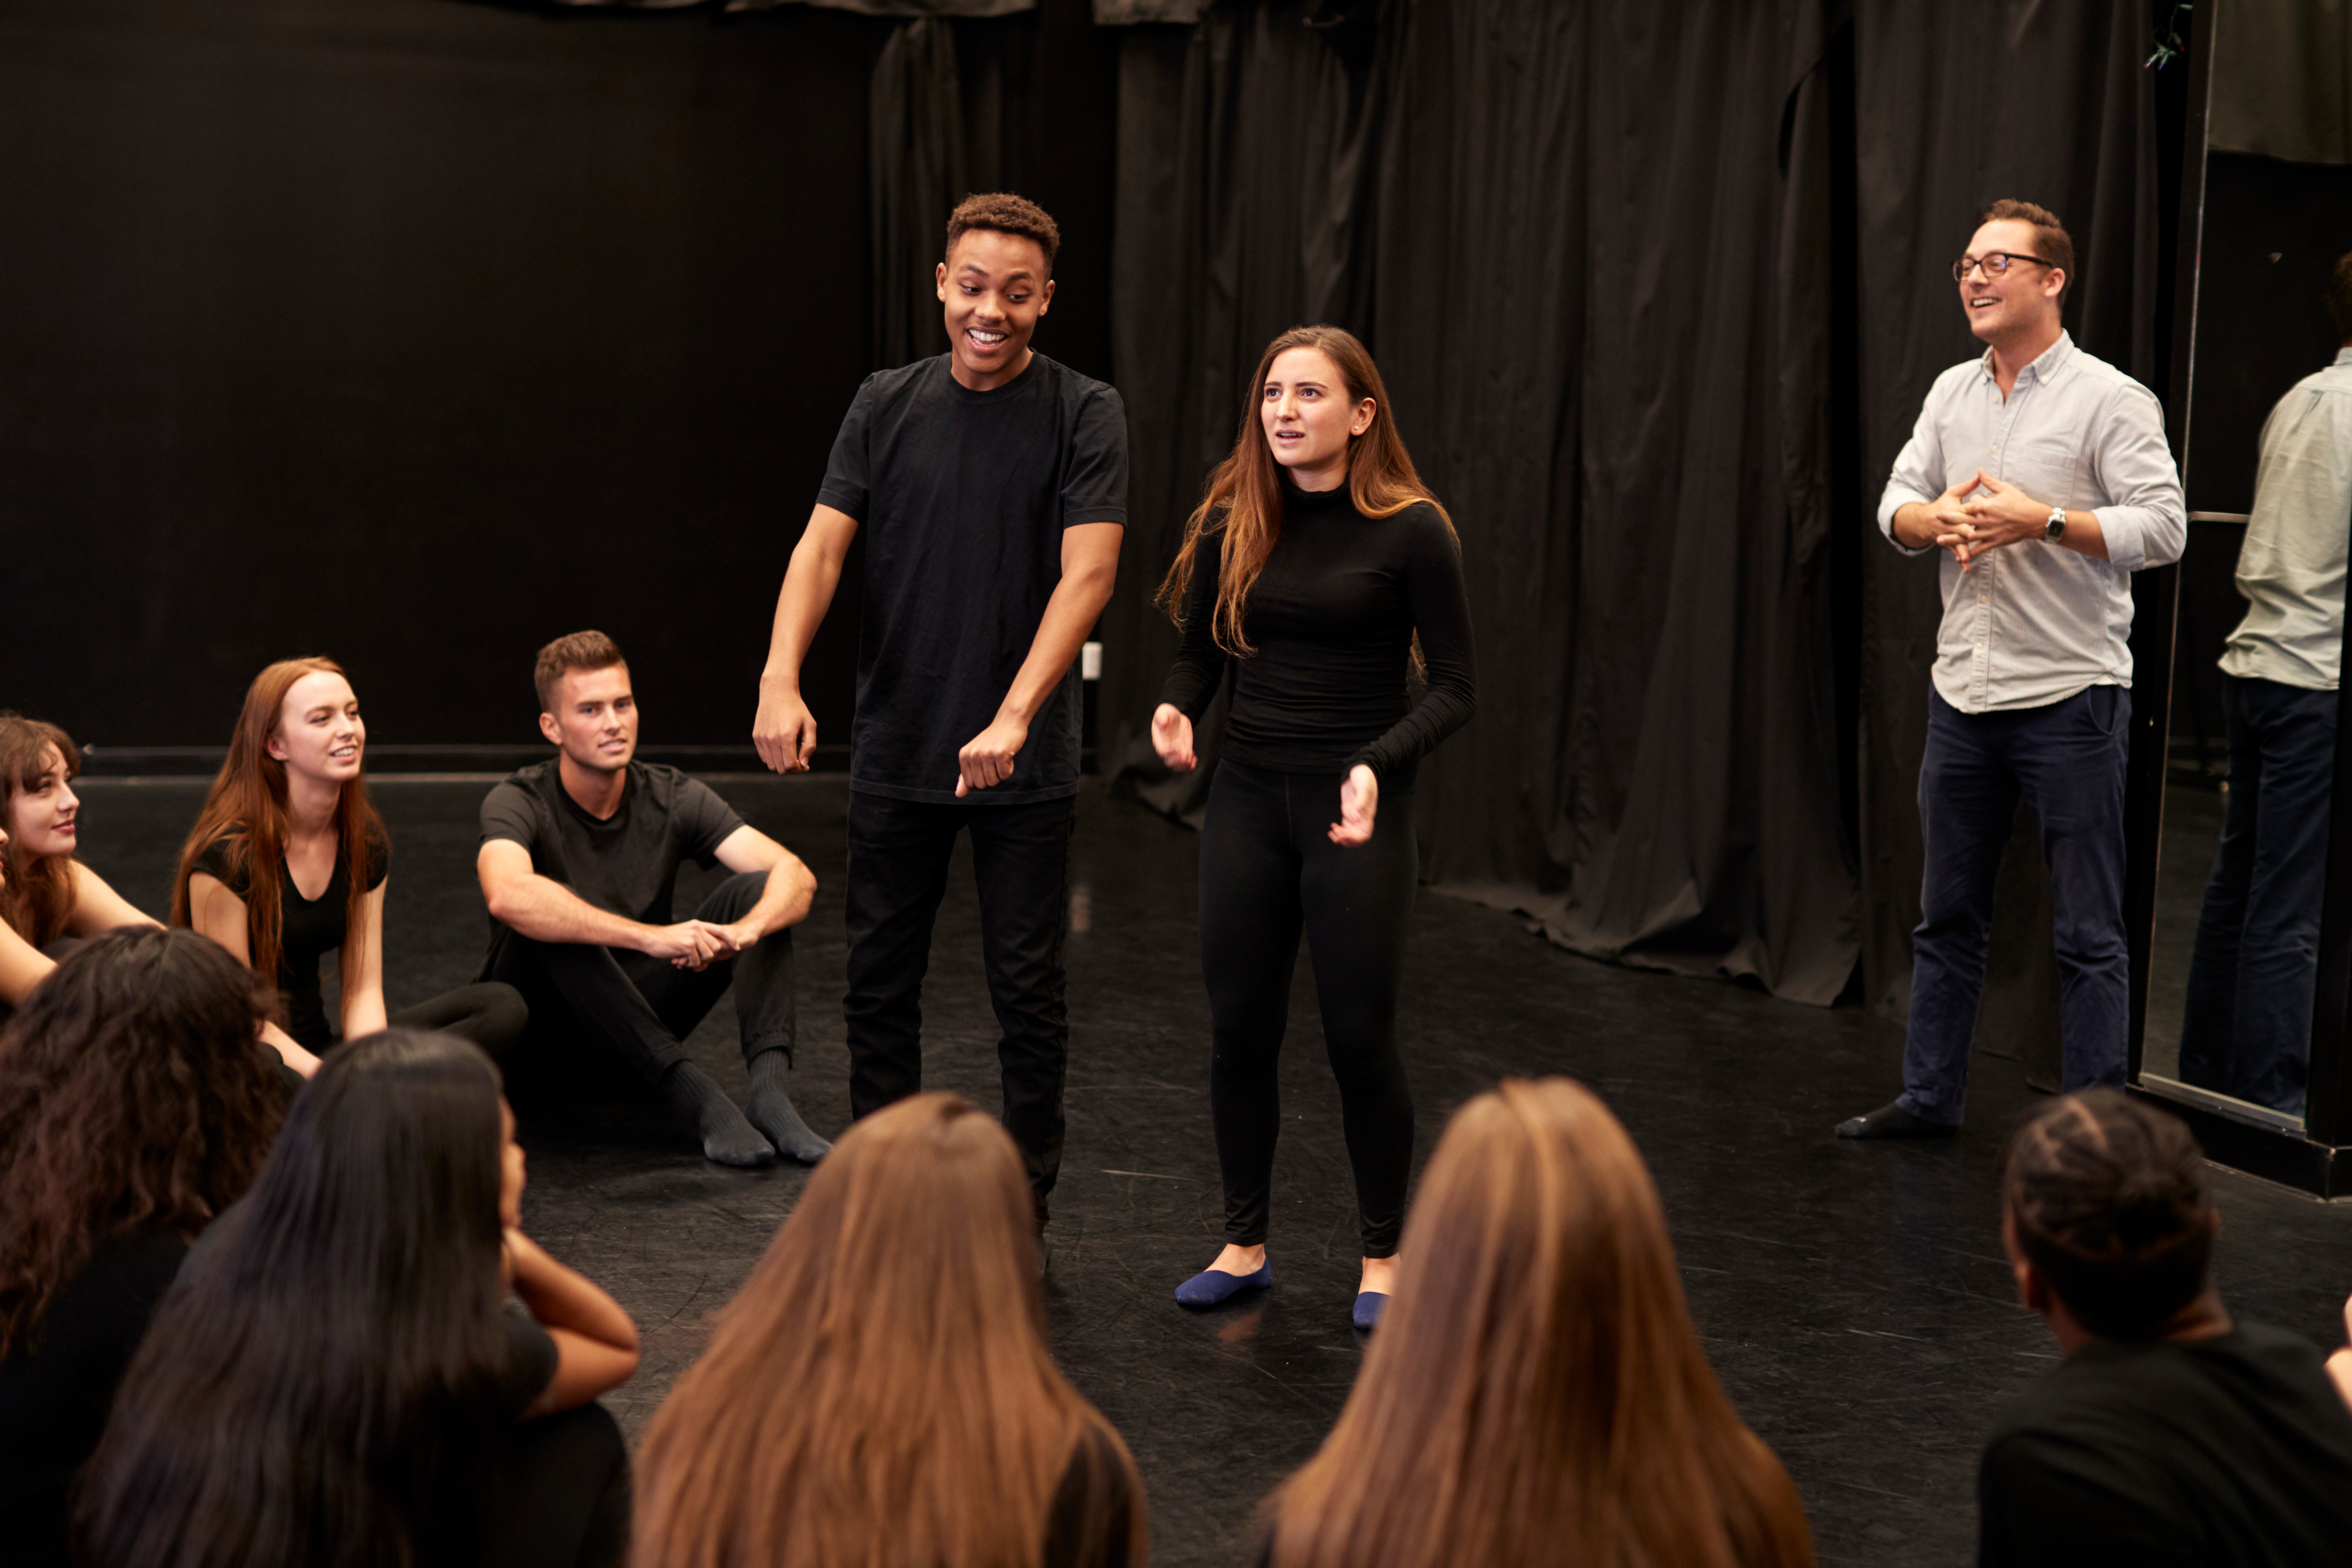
column 1994, row 262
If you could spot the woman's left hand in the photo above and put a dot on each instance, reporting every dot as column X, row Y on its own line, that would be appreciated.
column 1360, row 801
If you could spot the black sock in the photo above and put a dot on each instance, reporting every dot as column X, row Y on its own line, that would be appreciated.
column 727, row 1138
column 772, row 1111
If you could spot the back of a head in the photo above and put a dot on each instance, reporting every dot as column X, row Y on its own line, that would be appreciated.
column 133, row 1093
column 1537, row 1393
column 2107, row 1199
column 327, row 1379
column 880, row 1390
column 2339, row 296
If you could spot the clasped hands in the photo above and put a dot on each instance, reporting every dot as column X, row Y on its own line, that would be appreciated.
column 1359, row 791
column 1967, row 523
column 697, row 944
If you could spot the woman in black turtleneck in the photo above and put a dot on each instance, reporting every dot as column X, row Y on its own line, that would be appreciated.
column 1320, row 561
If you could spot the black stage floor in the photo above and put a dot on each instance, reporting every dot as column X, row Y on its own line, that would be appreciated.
column 1853, row 1297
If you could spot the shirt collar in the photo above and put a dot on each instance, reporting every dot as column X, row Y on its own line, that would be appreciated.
column 2048, row 364
column 2344, row 356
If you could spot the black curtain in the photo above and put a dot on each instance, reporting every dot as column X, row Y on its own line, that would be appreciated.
column 1590, row 247
column 417, row 333
column 2051, row 103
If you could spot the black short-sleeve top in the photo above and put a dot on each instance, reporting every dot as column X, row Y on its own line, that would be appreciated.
column 963, row 497
column 311, row 928
column 626, row 864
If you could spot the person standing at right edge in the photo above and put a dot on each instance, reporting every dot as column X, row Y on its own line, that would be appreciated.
column 991, row 485
column 1320, row 561
column 2043, row 475
column 2246, row 1030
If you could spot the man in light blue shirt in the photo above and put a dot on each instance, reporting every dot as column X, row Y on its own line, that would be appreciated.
column 2246, row 1030
column 2043, row 475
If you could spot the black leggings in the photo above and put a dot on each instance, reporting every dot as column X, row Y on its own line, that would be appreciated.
column 1268, row 868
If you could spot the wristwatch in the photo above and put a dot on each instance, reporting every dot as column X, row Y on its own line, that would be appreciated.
column 2056, row 529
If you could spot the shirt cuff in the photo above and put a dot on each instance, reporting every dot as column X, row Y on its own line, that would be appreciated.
column 1893, row 502
column 2125, row 536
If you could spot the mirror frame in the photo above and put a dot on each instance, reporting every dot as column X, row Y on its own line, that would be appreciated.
column 2314, row 1156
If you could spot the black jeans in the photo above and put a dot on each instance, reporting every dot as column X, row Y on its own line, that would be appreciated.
column 638, row 1008
column 2246, row 1030
column 2068, row 760
column 1268, row 870
column 899, row 852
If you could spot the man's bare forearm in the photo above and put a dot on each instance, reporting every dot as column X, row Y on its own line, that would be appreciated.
column 791, row 889
column 546, row 910
column 1914, row 524
column 809, row 584
column 1078, row 603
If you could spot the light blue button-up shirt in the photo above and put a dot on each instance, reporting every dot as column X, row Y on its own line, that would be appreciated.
column 2292, row 567
column 2034, row 623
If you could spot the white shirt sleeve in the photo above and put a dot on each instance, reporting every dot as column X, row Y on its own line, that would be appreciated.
column 2147, row 524
column 1918, row 473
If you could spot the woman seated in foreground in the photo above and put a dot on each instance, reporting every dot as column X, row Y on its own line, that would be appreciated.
column 333, row 1378
column 1537, row 1393
column 135, row 1104
column 880, row 1392
column 47, row 897
column 288, row 862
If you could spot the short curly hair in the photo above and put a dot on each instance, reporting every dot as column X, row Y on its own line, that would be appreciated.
column 1004, row 213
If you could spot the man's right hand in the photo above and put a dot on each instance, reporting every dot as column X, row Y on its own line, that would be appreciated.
column 1955, row 530
column 785, row 731
column 1171, row 737
column 689, row 944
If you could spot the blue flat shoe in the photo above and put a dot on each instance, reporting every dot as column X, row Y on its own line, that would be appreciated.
column 1369, row 1305
column 1211, row 1285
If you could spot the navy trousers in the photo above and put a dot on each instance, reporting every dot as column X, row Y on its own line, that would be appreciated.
column 2246, row 1030
column 2066, row 760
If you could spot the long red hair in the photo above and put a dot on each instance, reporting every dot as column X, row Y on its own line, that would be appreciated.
column 1240, row 515
column 246, row 810
column 36, row 891
column 880, row 1393
column 1536, row 1394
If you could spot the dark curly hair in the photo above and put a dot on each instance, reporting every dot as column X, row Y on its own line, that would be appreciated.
column 2107, row 1199
column 1004, row 213
column 2339, row 294
column 133, row 1092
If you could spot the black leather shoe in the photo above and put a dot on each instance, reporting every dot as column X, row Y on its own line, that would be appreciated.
column 1891, row 1120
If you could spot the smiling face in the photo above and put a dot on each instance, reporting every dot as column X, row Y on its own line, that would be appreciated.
column 595, row 719
column 319, row 733
column 2021, row 303
column 995, row 287
column 40, row 816
column 1304, row 409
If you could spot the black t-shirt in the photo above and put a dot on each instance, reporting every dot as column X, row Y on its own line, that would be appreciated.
column 312, row 929
column 1332, row 618
column 58, row 1384
column 2223, row 1452
column 627, row 864
column 962, row 496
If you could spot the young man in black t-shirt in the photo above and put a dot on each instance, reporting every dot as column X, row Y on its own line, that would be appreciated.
column 2171, row 1434
column 991, row 484
column 578, row 863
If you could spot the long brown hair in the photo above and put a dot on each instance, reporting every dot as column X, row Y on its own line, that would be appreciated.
column 36, row 892
column 1240, row 515
column 880, row 1393
column 246, row 810
column 133, row 1092
column 1536, row 1393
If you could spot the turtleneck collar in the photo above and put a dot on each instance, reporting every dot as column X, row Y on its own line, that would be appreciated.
column 1340, row 498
